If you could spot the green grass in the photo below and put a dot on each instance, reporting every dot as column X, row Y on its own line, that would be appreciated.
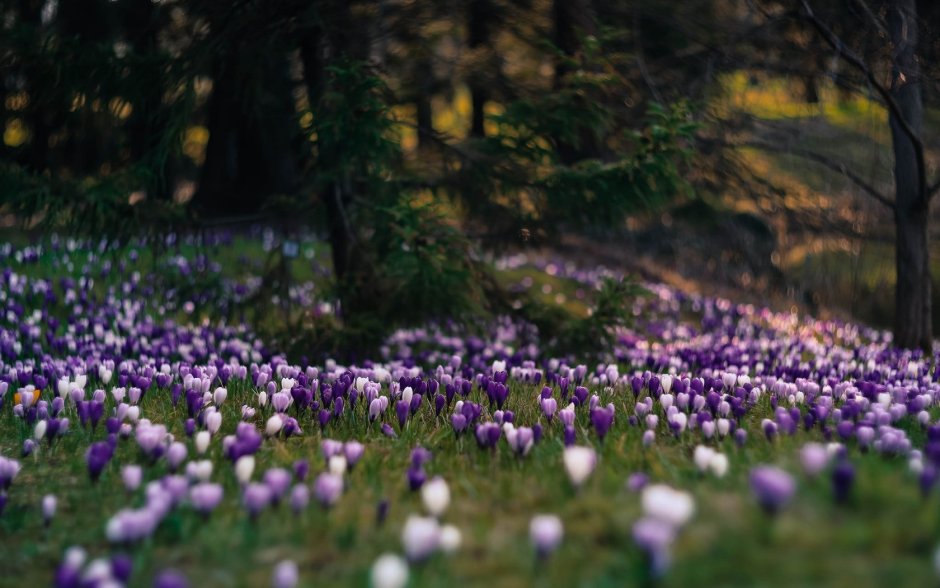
column 886, row 534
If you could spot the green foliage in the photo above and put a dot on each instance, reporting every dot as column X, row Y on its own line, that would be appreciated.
column 91, row 207
column 572, row 157
column 593, row 336
column 354, row 132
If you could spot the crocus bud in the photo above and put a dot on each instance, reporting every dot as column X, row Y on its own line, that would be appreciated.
column 219, row 396
column 40, row 430
column 299, row 498
column 666, row 504
column 176, row 455
column 702, row 456
column 205, row 497
column 48, row 508
column 273, row 426
column 451, row 539
column 132, row 475
column 214, row 422
column 579, row 462
column 718, row 465
column 420, row 537
column 545, row 532
column 244, row 468
column 436, row 496
column 285, row 575
column 813, row 457
column 327, row 489
column 199, row 471
column 201, row 442
column 772, row 487
column 389, row 571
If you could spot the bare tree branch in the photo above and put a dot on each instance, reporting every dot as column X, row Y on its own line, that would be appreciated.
column 825, row 161
column 853, row 59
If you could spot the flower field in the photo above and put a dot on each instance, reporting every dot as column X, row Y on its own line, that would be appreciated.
column 143, row 442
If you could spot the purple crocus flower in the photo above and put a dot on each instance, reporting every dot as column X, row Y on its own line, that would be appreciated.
column 381, row 511
column 459, row 422
column 416, row 477
column 205, row 497
column 256, row 498
column 388, row 431
column 487, row 435
column 602, row 419
column 655, row 537
column 546, row 532
column 9, row 469
column 549, row 406
column 170, row 579
column 580, row 395
column 420, row 456
column 327, row 489
column 299, row 498
column 402, row 409
column 121, row 567
column 285, row 575
column 353, row 451
column 772, row 487
column 520, row 439
column 278, row 480
column 843, row 476
column 570, row 436
column 301, row 469
column 637, row 481
column 28, row 447
column 97, row 457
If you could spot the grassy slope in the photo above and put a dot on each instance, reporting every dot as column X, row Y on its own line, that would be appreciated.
column 885, row 535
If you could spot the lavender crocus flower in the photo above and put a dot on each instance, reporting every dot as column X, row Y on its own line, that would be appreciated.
column 9, row 469
column 278, row 480
column 49, row 503
column 843, row 477
column 520, row 439
column 285, row 575
column 602, row 418
column 97, row 457
column 299, row 498
column 545, row 532
column 132, row 475
column 353, row 451
column 772, row 487
column 420, row 537
column 170, row 579
column 205, row 497
column 327, row 489
column 655, row 537
column 256, row 498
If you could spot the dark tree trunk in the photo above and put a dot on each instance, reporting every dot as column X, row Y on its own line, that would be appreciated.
column 425, row 87
column 251, row 130
column 318, row 47
column 573, row 19
column 912, row 327
column 478, row 35
column 141, row 20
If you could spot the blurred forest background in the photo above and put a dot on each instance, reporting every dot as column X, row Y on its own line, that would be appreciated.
column 745, row 148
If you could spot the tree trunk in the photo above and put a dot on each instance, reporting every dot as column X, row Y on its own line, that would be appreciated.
column 573, row 19
column 912, row 324
column 318, row 46
column 252, row 124
column 424, row 90
column 478, row 35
